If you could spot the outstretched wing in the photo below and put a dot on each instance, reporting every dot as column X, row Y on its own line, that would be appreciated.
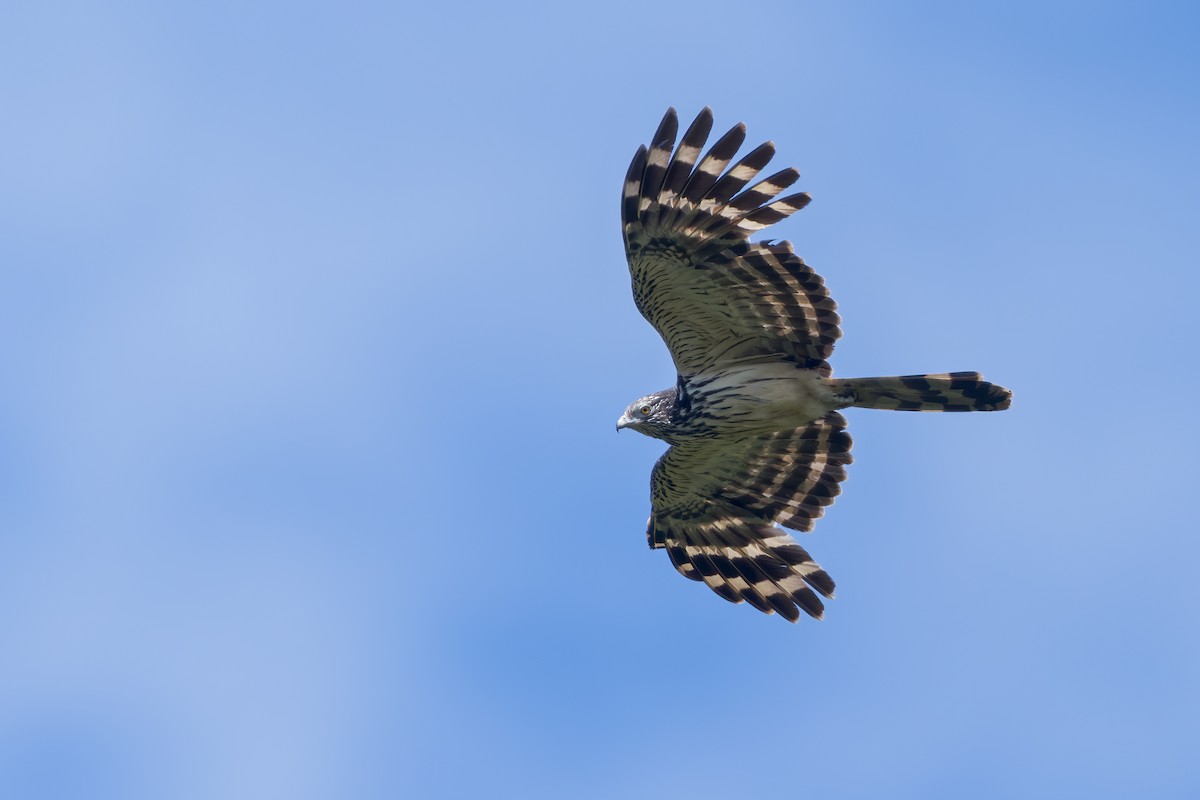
column 716, row 505
column 711, row 294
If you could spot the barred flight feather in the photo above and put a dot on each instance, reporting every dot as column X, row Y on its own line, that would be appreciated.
column 715, row 507
column 743, row 561
column 790, row 477
column 695, row 277
column 681, row 167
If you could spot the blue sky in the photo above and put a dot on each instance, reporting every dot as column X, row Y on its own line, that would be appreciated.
column 314, row 324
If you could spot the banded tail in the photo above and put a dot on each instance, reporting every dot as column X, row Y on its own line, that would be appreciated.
column 947, row 391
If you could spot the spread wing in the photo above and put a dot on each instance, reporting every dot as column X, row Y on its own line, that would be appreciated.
column 716, row 505
column 711, row 294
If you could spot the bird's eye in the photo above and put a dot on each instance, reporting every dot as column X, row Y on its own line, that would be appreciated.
column 644, row 410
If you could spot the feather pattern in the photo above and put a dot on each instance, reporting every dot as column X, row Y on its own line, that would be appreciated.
column 696, row 278
column 716, row 503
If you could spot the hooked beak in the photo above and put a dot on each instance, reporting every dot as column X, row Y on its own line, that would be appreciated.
column 624, row 422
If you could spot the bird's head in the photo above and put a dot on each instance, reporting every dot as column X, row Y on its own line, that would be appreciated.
column 650, row 415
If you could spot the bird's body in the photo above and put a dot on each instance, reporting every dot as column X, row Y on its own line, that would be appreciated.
column 743, row 398
column 756, row 438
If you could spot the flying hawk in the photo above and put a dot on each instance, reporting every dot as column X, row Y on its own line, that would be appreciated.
column 757, row 443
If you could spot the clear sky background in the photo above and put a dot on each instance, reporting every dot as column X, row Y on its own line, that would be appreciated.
column 315, row 323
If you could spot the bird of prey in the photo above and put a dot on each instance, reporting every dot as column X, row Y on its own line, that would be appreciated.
column 757, row 443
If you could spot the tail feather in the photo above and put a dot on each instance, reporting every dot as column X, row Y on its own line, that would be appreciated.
column 947, row 391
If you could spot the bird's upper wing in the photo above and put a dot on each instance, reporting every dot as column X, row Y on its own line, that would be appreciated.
column 710, row 293
column 716, row 504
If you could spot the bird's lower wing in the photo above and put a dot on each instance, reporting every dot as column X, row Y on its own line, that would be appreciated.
column 716, row 507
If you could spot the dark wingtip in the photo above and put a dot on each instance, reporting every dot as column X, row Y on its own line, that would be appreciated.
column 667, row 129
column 821, row 582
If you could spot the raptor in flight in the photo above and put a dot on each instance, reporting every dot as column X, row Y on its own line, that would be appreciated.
column 757, row 443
